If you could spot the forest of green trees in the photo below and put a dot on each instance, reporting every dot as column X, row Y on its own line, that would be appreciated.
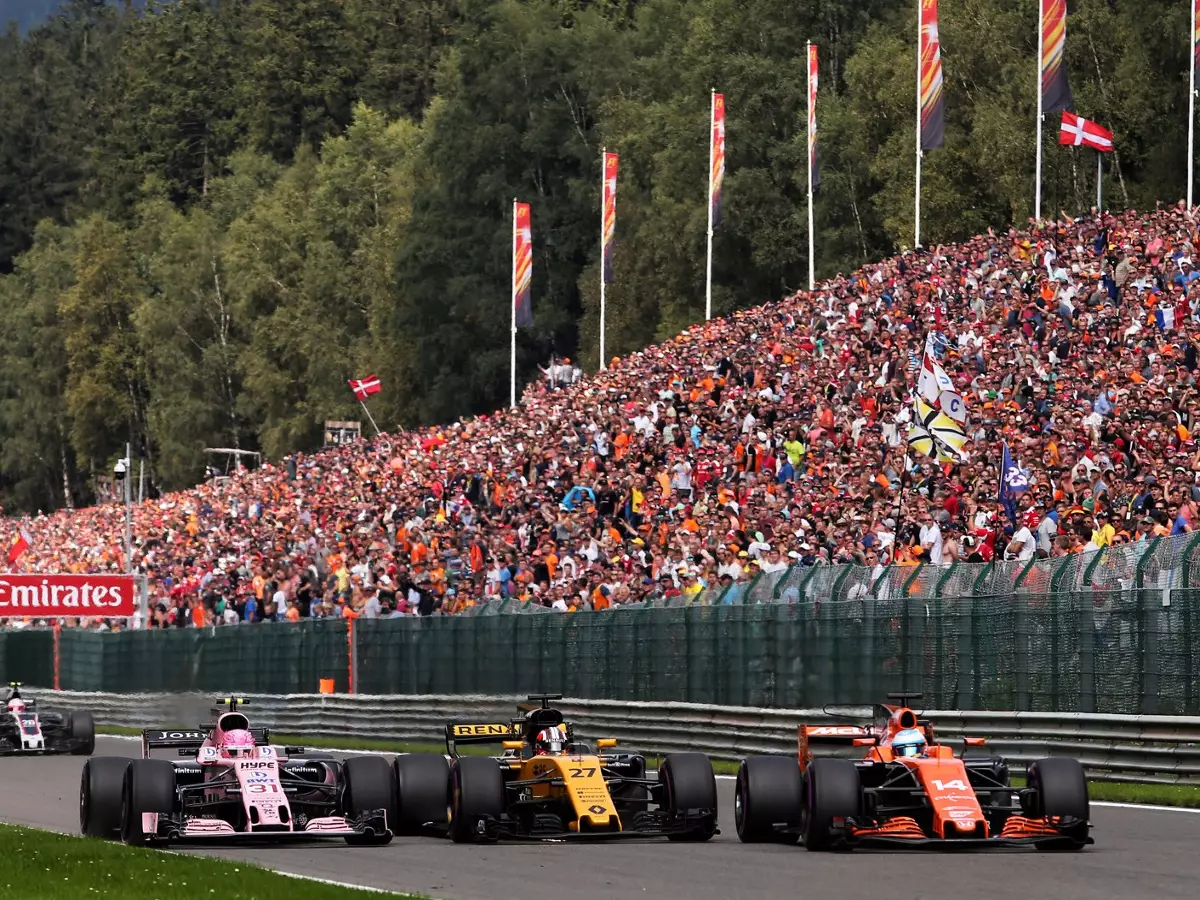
column 214, row 212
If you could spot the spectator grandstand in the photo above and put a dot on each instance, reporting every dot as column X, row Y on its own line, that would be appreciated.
column 772, row 438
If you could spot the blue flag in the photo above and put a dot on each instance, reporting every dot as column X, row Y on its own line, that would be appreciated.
column 1013, row 481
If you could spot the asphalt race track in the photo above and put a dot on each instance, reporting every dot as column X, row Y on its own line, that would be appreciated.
column 1138, row 853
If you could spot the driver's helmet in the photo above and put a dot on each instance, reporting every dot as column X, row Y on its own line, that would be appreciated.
column 237, row 744
column 550, row 740
column 16, row 705
column 910, row 742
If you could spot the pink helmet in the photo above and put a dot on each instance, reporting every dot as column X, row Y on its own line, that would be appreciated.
column 16, row 705
column 237, row 744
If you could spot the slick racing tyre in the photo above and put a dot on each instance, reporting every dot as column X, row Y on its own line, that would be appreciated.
column 82, row 730
column 689, row 786
column 422, row 785
column 100, row 797
column 369, row 785
column 476, row 796
column 149, row 788
column 1061, row 792
column 767, row 793
column 831, row 791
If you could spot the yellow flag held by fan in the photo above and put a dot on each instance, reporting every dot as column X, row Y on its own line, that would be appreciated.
column 946, row 436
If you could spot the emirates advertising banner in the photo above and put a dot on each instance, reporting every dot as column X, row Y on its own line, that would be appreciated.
column 45, row 596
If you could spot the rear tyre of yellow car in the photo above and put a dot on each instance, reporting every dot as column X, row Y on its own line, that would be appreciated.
column 476, row 797
column 422, row 785
column 101, row 793
column 767, row 794
column 690, row 788
column 370, row 785
column 832, row 790
column 1061, row 792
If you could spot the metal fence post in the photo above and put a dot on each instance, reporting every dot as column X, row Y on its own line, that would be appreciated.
column 143, row 583
column 914, row 632
column 352, row 642
column 1189, row 625
column 1022, row 636
column 1148, row 668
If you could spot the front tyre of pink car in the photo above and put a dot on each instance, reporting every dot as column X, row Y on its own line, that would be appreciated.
column 149, row 788
column 370, row 784
column 101, row 795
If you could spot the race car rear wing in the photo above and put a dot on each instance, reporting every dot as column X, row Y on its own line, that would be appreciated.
column 481, row 733
column 187, row 741
column 840, row 740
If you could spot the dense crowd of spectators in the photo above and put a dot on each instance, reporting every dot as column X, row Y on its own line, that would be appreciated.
column 773, row 437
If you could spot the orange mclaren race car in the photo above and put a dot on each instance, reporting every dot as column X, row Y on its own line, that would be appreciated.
column 907, row 790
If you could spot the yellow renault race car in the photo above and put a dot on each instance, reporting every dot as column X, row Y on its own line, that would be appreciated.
column 546, row 785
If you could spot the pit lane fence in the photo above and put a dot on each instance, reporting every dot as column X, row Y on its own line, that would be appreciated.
column 1145, row 749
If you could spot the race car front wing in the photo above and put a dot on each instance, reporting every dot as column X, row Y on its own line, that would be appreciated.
column 1019, row 831
column 638, row 825
column 197, row 829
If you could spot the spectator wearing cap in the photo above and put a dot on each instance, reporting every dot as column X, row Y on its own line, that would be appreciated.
column 1104, row 532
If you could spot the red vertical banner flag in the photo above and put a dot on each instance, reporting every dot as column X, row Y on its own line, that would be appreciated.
column 814, row 168
column 522, row 266
column 931, row 95
column 1056, row 92
column 609, row 218
column 717, row 155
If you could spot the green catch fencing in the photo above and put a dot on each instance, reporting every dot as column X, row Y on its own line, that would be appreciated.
column 1111, row 631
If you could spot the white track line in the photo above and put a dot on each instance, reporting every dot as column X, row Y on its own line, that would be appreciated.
column 1146, row 807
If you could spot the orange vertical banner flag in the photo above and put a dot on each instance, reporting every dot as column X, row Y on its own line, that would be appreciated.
column 522, row 266
column 609, row 219
column 813, row 69
column 1056, row 92
column 717, row 155
column 932, row 111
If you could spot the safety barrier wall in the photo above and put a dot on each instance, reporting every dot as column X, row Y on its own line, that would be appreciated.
column 1151, row 749
column 1122, row 650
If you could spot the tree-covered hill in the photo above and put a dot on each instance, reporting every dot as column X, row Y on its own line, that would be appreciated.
column 214, row 212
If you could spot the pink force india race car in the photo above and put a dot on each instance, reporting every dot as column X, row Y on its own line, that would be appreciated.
column 231, row 784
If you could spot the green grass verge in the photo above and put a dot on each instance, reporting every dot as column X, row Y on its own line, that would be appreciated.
column 42, row 865
column 1151, row 794
column 1109, row 791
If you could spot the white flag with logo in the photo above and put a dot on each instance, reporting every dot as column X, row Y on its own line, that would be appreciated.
column 954, row 406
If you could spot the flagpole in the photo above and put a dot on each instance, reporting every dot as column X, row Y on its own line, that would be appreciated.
column 512, row 363
column 712, row 113
column 917, row 198
column 603, row 250
column 1191, row 147
column 808, row 68
column 370, row 418
column 1037, row 203
column 1099, row 179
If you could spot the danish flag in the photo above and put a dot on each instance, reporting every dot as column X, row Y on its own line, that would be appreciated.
column 365, row 387
column 1079, row 132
